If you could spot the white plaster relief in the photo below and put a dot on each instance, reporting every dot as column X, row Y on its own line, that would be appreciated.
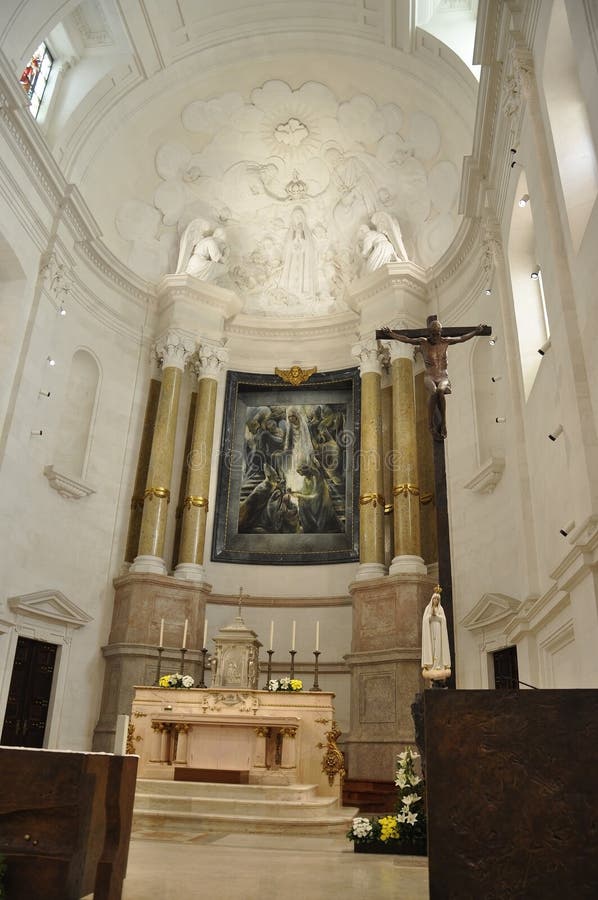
column 292, row 175
column 67, row 486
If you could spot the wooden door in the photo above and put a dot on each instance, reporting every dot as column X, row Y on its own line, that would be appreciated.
column 506, row 670
column 29, row 694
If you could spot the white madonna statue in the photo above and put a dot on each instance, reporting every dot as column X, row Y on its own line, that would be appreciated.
column 436, row 654
column 203, row 251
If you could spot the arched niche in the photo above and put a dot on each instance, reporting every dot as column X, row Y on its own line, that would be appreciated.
column 75, row 432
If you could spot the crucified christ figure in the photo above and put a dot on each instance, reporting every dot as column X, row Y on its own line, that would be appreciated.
column 433, row 347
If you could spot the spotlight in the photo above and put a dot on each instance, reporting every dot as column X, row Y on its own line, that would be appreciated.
column 43, row 393
column 542, row 350
column 496, row 378
column 62, row 311
column 536, row 273
column 500, row 420
column 492, row 342
column 523, row 201
column 488, row 291
column 554, row 434
column 567, row 529
column 37, row 433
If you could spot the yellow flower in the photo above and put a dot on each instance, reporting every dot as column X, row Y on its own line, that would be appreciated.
column 296, row 684
column 164, row 681
column 388, row 826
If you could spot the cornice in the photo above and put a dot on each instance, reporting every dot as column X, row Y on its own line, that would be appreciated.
column 345, row 324
column 114, row 273
column 406, row 275
column 186, row 287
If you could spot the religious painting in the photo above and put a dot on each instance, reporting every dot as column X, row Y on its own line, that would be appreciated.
column 287, row 482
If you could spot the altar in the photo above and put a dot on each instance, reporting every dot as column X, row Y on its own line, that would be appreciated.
column 243, row 735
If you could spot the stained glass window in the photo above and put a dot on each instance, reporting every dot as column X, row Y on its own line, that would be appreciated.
column 35, row 77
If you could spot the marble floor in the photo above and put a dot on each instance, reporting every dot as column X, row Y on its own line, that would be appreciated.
column 266, row 867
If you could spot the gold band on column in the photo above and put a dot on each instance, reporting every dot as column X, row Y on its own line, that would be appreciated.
column 160, row 492
column 399, row 489
column 374, row 499
column 188, row 502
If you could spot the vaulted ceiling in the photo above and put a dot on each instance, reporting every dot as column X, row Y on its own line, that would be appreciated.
column 252, row 116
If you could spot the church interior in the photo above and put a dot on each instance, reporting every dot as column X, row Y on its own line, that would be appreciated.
column 227, row 449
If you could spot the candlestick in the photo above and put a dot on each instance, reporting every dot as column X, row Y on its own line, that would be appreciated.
column 205, row 633
column 271, row 634
column 317, row 635
column 269, row 675
column 316, row 686
column 204, row 653
column 183, row 651
column 292, row 652
column 160, row 652
column 184, row 644
column 161, row 641
column 293, row 635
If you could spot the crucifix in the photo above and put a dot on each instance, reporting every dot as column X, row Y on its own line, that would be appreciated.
column 240, row 601
column 433, row 343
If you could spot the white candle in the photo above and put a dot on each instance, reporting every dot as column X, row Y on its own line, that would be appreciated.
column 205, row 633
column 185, row 634
column 272, row 635
column 293, row 635
column 317, row 635
column 161, row 644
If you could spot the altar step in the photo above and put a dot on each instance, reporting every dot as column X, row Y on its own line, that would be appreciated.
column 194, row 806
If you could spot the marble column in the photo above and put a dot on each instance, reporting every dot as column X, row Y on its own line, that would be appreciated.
column 211, row 363
column 173, row 350
column 407, row 544
column 371, row 487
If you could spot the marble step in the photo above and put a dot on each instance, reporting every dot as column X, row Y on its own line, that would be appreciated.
column 237, row 806
column 201, row 806
column 240, row 791
column 148, row 821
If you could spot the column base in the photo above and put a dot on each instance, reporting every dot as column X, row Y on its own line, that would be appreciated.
column 370, row 570
column 190, row 572
column 408, row 565
column 153, row 564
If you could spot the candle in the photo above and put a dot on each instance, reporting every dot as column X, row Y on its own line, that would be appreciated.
column 293, row 635
column 317, row 635
column 161, row 644
column 205, row 633
column 185, row 634
column 272, row 635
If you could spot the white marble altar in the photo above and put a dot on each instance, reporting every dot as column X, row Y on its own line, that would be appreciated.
column 269, row 737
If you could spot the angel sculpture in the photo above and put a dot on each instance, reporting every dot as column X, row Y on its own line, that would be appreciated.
column 203, row 251
column 381, row 243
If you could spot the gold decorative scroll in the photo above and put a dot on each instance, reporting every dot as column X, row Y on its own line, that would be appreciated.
column 159, row 492
column 295, row 375
column 372, row 498
column 405, row 489
column 426, row 498
column 190, row 501
column 333, row 761
column 388, row 509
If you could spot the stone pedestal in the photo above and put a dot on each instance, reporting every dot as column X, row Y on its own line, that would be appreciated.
column 141, row 601
column 385, row 663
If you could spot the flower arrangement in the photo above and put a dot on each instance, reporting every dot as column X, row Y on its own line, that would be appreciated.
column 285, row 684
column 176, row 681
column 404, row 831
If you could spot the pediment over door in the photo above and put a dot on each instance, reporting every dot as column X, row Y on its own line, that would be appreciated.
column 49, row 605
column 491, row 609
